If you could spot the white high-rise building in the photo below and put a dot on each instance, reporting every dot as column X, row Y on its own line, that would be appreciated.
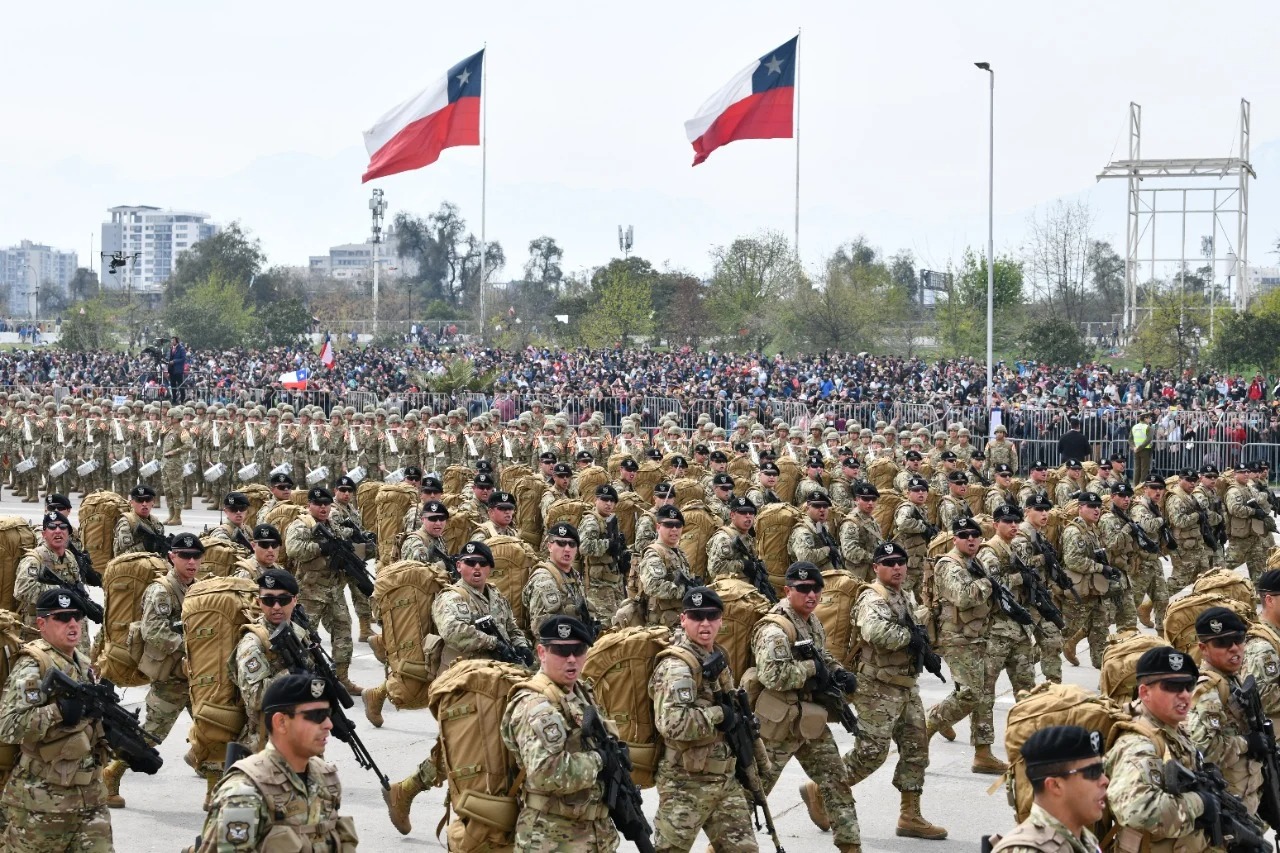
column 157, row 236
column 28, row 268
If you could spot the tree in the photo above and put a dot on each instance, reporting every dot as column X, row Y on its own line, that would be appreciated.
column 284, row 322
column 1173, row 330
column 447, row 257
column 1055, row 341
column 213, row 315
column 902, row 268
column 543, row 267
column 1057, row 257
column 83, row 285
column 231, row 254
column 962, row 317
column 750, row 279
column 855, row 305
column 680, row 309
column 623, row 308
column 91, row 326
column 1251, row 339
column 51, row 299
column 1106, row 278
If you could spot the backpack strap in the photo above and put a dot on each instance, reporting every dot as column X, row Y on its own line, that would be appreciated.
column 688, row 658
column 781, row 621
column 1142, row 727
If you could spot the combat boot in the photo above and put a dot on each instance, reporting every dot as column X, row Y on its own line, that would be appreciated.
column 374, row 697
column 399, row 798
column 849, row 848
column 813, row 802
column 111, row 776
column 1069, row 648
column 365, row 629
column 935, row 726
column 911, row 824
column 986, row 763
column 1144, row 613
column 175, row 515
column 345, row 680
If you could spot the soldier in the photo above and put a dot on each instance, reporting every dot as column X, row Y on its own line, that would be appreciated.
column 791, row 724
column 942, row 473
column 1206, row 493
column 1147, row 814
column 910, row 469
column 718, row 501
column 560, row 476
column 560, row 794
column 1247, row 524
column 953, row 505
column 363, row 543
column 1001, row 451
column 1033, row 549
column 697, row 789
column 235, row 506
column 1119, row 536
column 430, row 490
column 281, row 487
column 1216, row 722
column 731, row 546
column 762, row 493
column 54, row 798
column 164, row 653
column 1008, row 644
column 1147, row 575
column 244, row 808
column 1037, row 482
column 1184, row 512
column 426, row 544
column 176, row 444
column 255, row 665
column 888, row 666
column 310, row 542
column 842, row 484
column 1064, row 765
column 814, row 474
column 963, row 603
column 912, row 530
column 1102, row 481
column 555, row 587
column 1001, row 491
column 860, row 534
column 1262, row 651
column 457, row 610
column 811, row 541
column 52, row 554
column 647, row 523
column 627, row 470
column 266, row 553
column 601, row 547
column 502, row 512
column 1081, row 548
column 138, row 531
column 664, row 573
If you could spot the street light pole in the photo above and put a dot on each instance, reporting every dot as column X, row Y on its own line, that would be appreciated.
column 377, row 207
column 991, row 249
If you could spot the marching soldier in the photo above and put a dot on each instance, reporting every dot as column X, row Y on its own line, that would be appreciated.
column 244, row 809
column 281, row 487
column 912, row 530
column 860, row 534
column 953, row 505
column 664, row 573
column 1071, row 485
column 1262, row 651
column 1207, row 496
column 458, row 608
column 502, row 512
column 910, row 469
column 346, row 515
column 664, row 494
column 731, row 546
column 266, row 553
column 1193, row 556
column 811, row 540
column 255, row 665
column 1001, row 451
column 842, row 485
column 1001, row 492
column 138, row 531
column 560, row 477
column 790, row 724
column 888, row 697
column 814, row 474
column 1009, row 648
column 431, row 489
column 1247, row 524
column 52, row 554
column 1080, row 551
column 1032, row 547
column 555, row 587
column 1037, row 482
column 601, row 547
column 721, row 491
column 235, row 506
column 426, row 544
column 1147, row 577
column 1116, row 532
column 762, row 493
column 176, row 444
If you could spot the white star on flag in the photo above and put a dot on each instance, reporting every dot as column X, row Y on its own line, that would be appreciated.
column 774, row 65
column 464, row 77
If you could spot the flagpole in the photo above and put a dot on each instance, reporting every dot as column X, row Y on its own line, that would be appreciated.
column 484, row 154
column 797, row 97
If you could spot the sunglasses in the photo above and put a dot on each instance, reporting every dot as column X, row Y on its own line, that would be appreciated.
column 275, row 600
column 893, row 564
column 473, row 563
column 564, row 543
column 807, row 588
column 671, row 524
column 65, row 616
column 967, row 534
column 57, row 527
column 345, row 491
column 1226, row 642
column 266, row 544
column 566, row 650
column 315, row 715
column 1171, row 686
column 703, row 615
column 1092, row 772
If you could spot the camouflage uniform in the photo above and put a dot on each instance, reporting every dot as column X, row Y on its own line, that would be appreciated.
column 1067, row 489
column 1123, row 552
column 762, row 497
column 696, row 785
column 1193, row 557
column 888, row 697
column 175, row 445
column 1262, row 661
column 61, row 804
column 253, row 666
column 27, row 589
column 344, row 515
column 1000, row 450
column 167, row 697
column 423, row 548
column 859, row 536
column 455, row 611
column 244, row 811
column 963, row 603
column 321, row 590
column 910, row 530
column 1009, row 645
column 950, row 509
column 1216, row 725
column 124, row 540
column 659, row 574
column 233, row 534
column 1029, row 544
column 803, row 544
column 724, row 554
column 1090, row 615
column 1216, row 511
column 647, row 533
column 1147, row 575
column 551, row 592
column 604, row 581
column 1041, row 832
column 1249, row 537
column 561, row 797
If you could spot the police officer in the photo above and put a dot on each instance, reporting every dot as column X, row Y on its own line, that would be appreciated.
column 790, row 724
column 255, row 665
column 245, row 812
column 54, row 798
column 137, row 529
column 888, row 697
column 696, row 785
column 561, row 805
column 1069, row 783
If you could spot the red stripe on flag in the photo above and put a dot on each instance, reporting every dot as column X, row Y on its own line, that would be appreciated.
column 421, row 141
column 767, row 115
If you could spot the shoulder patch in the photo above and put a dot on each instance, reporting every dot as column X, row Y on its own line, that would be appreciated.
column 163, row 607
column 550, row 730
column 237, row 832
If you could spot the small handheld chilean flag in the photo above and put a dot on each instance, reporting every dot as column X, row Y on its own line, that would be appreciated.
column 443, row 115
column 757, row 103
column 295, row 379
column 326, row 352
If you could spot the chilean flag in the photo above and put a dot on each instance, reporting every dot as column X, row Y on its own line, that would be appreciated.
column 413, row 134
column 295, row 379
column 758, row 103
column 326, row 352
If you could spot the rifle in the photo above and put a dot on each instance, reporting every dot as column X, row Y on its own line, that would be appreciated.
column 450, row 564
column 618, row 549
column 1112, row 573
column 91, row 608
column 753, row 567
column 833, row 547
column 930, row 530
column 825, row 692
column 125, row 734
column 1053, row 567
column 88, row 574
column 621, row 796
column 1233, row 827
column 1206, row 530
column 1001, row 595
column 316, row 661
column 743, row 738
column 344, row 559
column 1251, row 703
column 924, row 657
column 1145, row 542
column 1041, row 598
column 507, row 653
column 242, row 540
column 152, row 541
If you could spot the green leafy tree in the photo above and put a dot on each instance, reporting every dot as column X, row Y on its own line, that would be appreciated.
column 83, row 285
column 1251, row 339
column 622, row 309
column 963, row 316
column 232, row 254
column 751, row 278
column 1055, row 341
column 1106, row 278
column 855, row 305
column 284, row 322
column 213, row 314
column 90, row 326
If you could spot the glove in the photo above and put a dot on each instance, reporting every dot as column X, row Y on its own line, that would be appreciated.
column 1257, row 746
column 328, row 547
column 845, row 680
column 1212, row 812
column 975, row 569
column 72, row 711
column 615, row 548
column 527, row 656
column 730, row 718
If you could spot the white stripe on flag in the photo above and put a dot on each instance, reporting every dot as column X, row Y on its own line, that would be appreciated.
column 735, row 90
column 430, row 100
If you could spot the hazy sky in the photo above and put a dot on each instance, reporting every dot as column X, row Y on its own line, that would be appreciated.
column 254, row 111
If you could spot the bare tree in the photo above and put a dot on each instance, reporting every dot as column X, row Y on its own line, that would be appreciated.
column 1057, row 258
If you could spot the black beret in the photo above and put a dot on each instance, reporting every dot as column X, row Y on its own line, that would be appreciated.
column 958, row 477
column 722, row 480
column 1058, row 745
column 1154, row 481
column 502, row 500
column 701, row 449
column 653, row 453
column 977, row 456
column 1089, row 499
column 1219, row 622
column 669, row 512
column 1121, row 490
column 1040, row 501
column 966, row 523
column 558, row 628
column 887, row 550
column 1002, row 468
column 281, row 479
column 53, row 519
column 677, row 461
column 186, row 544
column 584, row 456
column 863, row 489
column 947, row 456
column 740, row 447
column 606, row 492
column 58, row 598
column 719, row 456
column 266, row 534
column 434, row 508
column 818, row 497
column 412, row 472
column 562, row 469
column 1208, row 469
column 1074, row 465
column 1166, row 662
column 913, row 456
column 1189, row 474
column 485, row 481
column 769, row 468
column 431, row 483
column 917, row 484
column 664, row 490
column 630, row 464
column 476, row 551
column 291, row 690
column 803, row 571
column 814, row 460
column 702, row 598
column 563, row 530
column 345, row 482
column 484, row 466
column 741, row 503
column 548, row 456
column 319, row 496
column 1117, row 457
column 57, row 502
column 1007, row 512
column 1039, row 465
column 236, row 500
column 141, row 492
column 278, row 579
column 1269, row 581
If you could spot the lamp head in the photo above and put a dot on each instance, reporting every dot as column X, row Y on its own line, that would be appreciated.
column 985, row 66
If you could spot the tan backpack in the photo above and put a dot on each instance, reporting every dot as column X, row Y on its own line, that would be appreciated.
column 13, row 635
column 699, row 525
column 743, row 608
column 458, row 531
column 299, row 498
column 469, row 699
column 214, row 613
column 618, row 668
column 220, row 558
column 567, row 509
column 99, row 512
column 885, row 511
column 688, row 490
column 743, row 471
column 528, row 493
column 586, row 481
column 1227, row 582
column 649, row 475
column 402, row 596
column 881, row 472
column 456, row 478
column 367, row 503
column 16, row 538
column 630, row 507
column 258, row 495
column 393, row 501
column 774, row 524
column 835, row 611
column 1181, row 614
column 789, row 475
column 1119, row 679
column 511, row 476
column 513, row 559
column 280, row 517
column 124, row 581
column 976, row 496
